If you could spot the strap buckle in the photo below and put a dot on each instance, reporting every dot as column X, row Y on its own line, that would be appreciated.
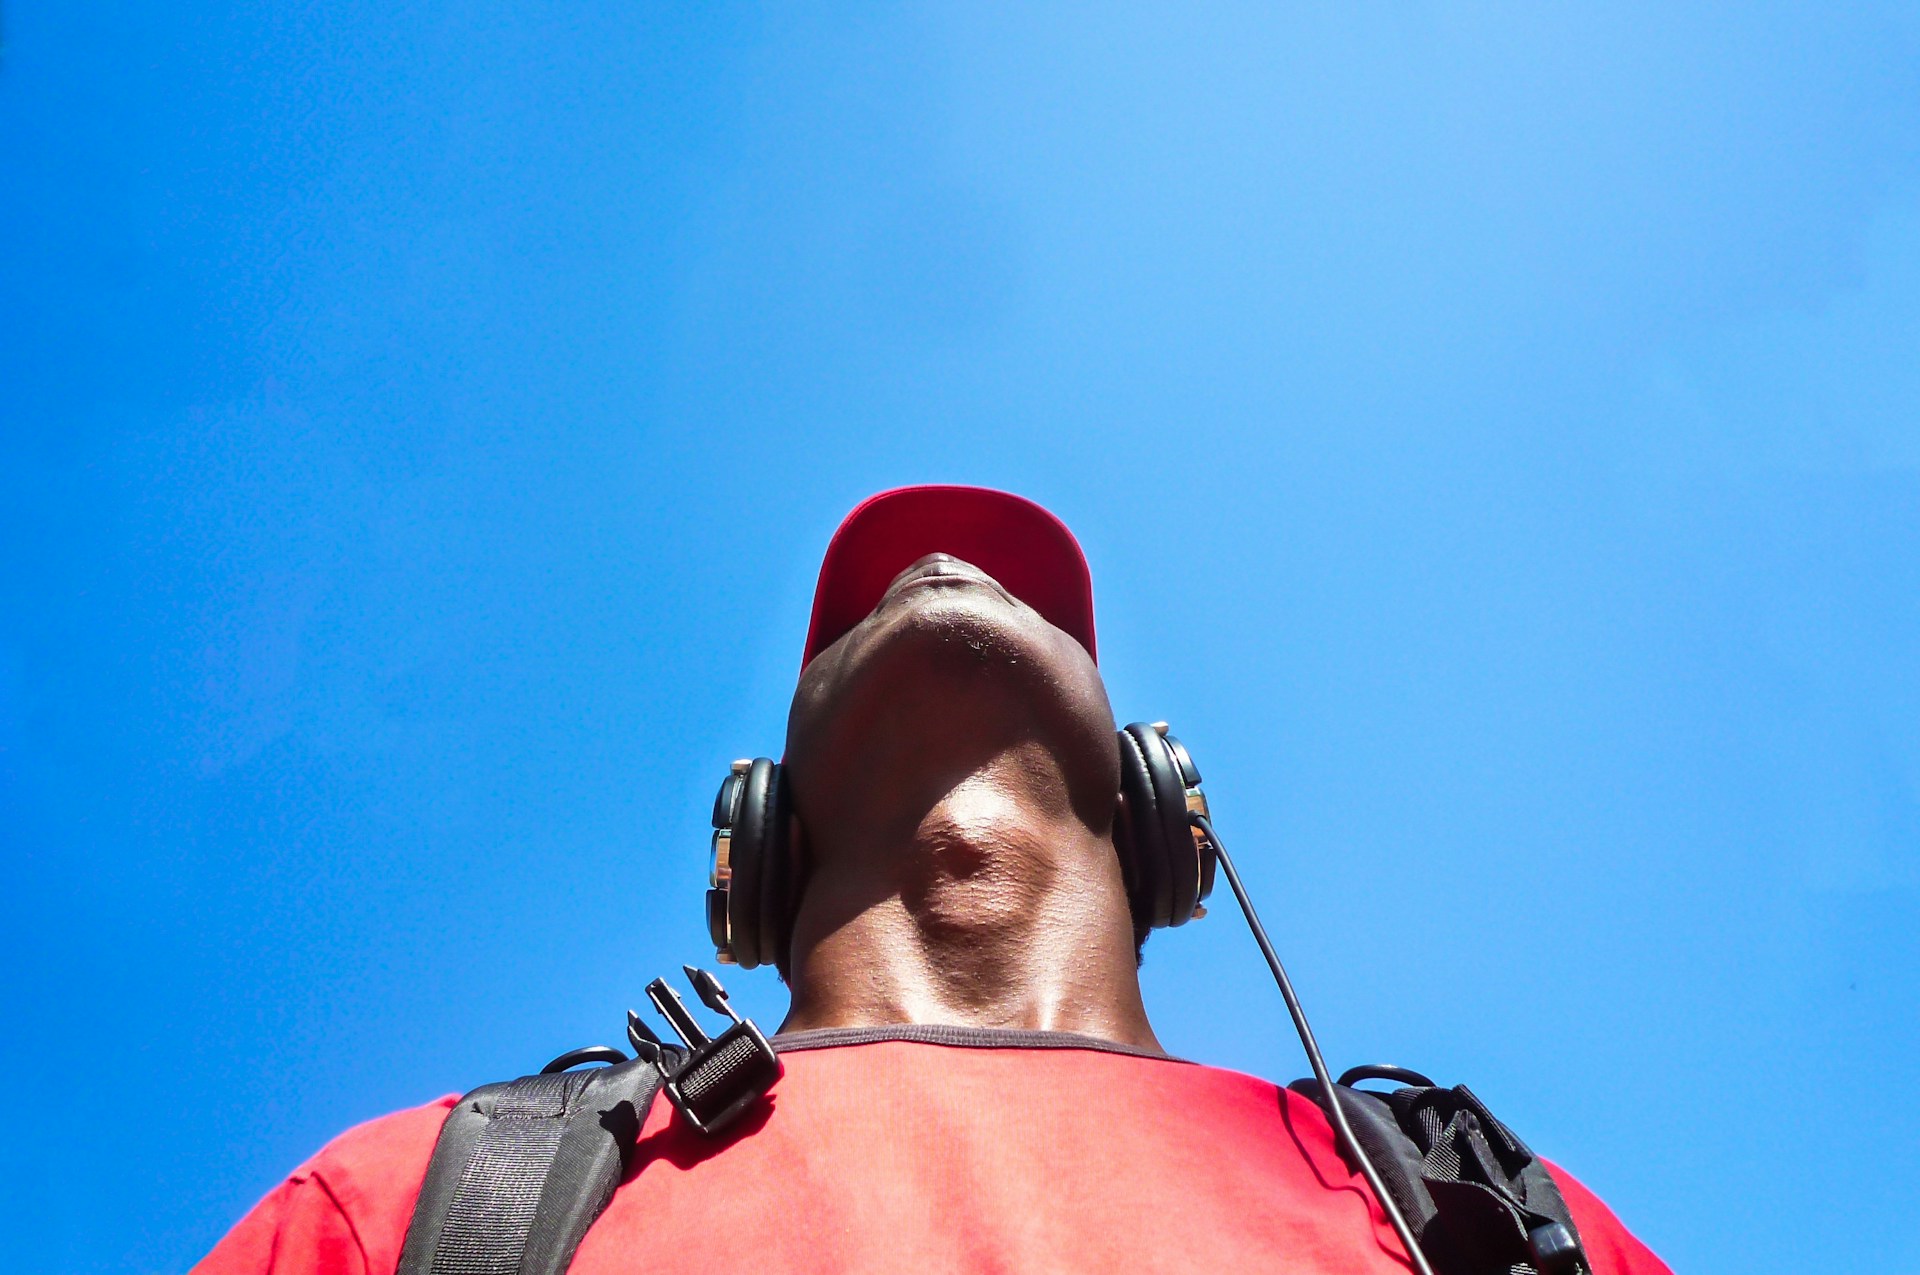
column 713, row 1080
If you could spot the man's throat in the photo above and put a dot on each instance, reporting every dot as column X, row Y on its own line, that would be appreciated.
column 986, row 917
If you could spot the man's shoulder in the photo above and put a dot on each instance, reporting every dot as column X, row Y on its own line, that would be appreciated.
column 1223, row 1097
column 377, row 1148
column 346, row 1209
column 1610, row 1246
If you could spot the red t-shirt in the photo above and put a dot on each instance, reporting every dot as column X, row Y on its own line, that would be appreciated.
column 926, row 1150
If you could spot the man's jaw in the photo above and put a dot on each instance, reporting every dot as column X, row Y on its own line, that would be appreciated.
column 941, row 572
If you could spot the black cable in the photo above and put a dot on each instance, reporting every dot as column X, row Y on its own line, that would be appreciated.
column 1314, row 1060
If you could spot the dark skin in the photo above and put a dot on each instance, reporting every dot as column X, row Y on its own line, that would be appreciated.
column 953, row 769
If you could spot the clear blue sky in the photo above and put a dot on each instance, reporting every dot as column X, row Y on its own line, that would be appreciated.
column 1495, row 430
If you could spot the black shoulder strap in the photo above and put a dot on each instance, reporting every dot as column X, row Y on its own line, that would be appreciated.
column 1478, row 1198
column 523, row 1168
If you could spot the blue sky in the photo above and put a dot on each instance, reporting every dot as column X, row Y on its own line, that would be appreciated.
column 1495, row 431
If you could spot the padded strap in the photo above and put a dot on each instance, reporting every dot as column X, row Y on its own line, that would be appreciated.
column 522, row 1169
column 1472, row 1191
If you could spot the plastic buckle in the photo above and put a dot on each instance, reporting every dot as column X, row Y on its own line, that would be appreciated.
column 715, row 1079
column 1554, row 1251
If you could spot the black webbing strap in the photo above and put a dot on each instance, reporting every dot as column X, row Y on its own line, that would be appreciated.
column 1479, row 1199
column 522, row 1169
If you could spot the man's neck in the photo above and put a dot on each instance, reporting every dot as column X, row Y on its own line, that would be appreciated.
column 990, row 909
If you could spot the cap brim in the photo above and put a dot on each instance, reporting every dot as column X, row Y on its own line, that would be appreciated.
column 1028, row 550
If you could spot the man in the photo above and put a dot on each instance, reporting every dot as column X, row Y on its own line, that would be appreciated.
column 971, row 1080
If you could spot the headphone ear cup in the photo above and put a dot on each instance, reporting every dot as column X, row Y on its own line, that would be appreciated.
column 776, row 871
column 756, row 843
column 1138, row 837
column 1162, row 839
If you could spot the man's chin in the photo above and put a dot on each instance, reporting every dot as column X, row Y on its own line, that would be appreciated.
column 948, row 643
column 950, row 630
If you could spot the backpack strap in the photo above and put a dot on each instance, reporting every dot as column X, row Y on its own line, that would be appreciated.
column 1477, row 1197
column 522, row 1168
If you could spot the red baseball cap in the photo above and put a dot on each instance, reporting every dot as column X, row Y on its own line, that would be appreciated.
column 1028, row 550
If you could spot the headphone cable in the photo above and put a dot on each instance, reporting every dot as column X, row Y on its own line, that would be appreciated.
column 1319, row 1064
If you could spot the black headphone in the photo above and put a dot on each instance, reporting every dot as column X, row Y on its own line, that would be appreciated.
column 1167, row 860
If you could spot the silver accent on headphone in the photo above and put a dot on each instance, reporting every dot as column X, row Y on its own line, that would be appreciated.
column 1197, row 805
